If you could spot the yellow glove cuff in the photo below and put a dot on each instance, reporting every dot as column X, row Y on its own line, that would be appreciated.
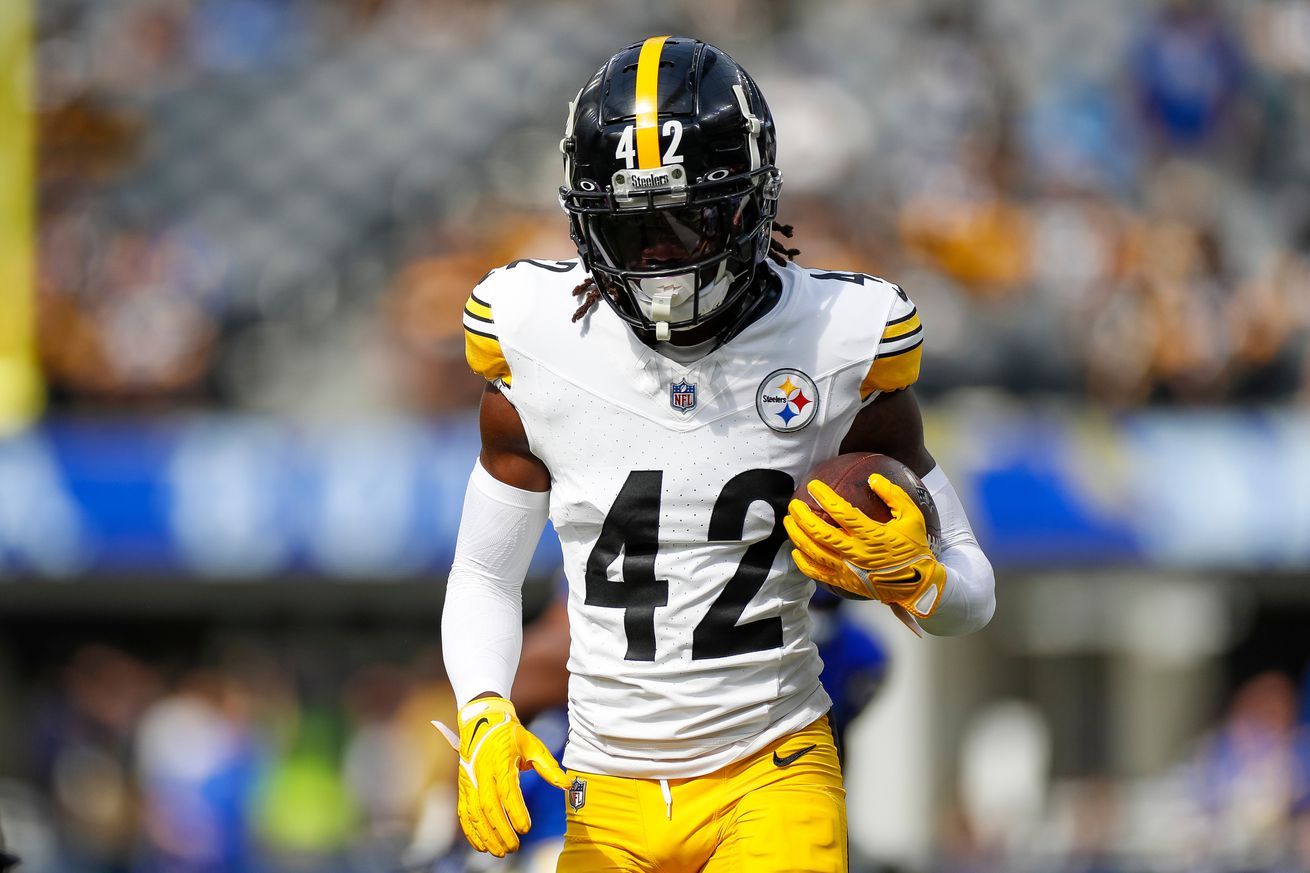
column 918, row 588
column 889, row 561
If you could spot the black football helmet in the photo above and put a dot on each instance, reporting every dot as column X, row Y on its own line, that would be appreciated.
column 670, row 183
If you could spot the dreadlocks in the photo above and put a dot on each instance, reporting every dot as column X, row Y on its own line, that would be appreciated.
column 777, row 250
column 590, row 292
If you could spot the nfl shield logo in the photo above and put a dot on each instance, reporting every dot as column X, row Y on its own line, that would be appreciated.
column 682, row 396
column 577, row 794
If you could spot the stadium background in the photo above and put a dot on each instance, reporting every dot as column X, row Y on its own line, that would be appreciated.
column 235, row 236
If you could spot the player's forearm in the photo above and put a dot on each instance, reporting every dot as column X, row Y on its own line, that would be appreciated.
column 482, row 621
column 481, row 633
column 970, row 596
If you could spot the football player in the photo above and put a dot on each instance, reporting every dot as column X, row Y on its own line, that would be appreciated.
column 658, row 398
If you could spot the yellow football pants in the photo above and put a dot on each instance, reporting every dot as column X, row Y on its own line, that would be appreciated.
column 775, row 812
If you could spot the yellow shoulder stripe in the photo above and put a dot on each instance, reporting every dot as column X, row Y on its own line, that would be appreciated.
column 481, row 344
column 910, row 325
column 485, row 357
column 892, row 372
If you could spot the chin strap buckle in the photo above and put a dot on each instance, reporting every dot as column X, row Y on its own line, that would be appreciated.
column 661, row 309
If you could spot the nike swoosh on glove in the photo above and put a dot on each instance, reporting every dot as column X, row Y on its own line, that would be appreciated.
column 493, row 746
column 890, row 561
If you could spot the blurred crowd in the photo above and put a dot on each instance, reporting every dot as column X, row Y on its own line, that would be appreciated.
column 282, row 204
column 1237, row 800
column 260, row 757
column 267, row 756
column 308, row 749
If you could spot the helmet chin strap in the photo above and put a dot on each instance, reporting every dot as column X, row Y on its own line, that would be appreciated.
column 659, row 296
column 661, row 309
column 668, row 293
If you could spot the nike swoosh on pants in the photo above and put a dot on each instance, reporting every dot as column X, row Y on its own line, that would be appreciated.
column 787, row 759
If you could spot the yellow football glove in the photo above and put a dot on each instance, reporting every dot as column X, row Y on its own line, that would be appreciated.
column 891, row 561
column 493, row 747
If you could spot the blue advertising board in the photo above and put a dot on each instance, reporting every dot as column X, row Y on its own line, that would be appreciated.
column 225, row 496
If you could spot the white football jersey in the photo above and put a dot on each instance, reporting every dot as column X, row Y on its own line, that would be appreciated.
column 690, row 631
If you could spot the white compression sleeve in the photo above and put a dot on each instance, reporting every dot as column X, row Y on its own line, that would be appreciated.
column 482, row 621
column 970, row 596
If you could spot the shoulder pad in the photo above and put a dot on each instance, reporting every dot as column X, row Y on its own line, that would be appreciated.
column 896, row 363
column 481, row 340
column 512, row 291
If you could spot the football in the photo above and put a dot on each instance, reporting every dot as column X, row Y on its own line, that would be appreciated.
column 849, row 474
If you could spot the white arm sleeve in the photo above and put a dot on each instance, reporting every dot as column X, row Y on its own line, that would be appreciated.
column 482, row 621
column 970, row 597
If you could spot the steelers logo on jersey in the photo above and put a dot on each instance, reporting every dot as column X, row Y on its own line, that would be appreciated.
column 787, row 400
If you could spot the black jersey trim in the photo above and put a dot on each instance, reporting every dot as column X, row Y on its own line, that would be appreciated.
column 489, row 336
column 900, row 351
column 913, row 312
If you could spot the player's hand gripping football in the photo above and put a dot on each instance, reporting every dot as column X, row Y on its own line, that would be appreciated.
column 493, row 746
column 890, row 561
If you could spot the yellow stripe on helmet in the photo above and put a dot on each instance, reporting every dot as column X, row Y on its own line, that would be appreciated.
column 647, row 103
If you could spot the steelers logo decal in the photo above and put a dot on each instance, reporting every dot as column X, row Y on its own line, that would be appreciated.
column 787, row 400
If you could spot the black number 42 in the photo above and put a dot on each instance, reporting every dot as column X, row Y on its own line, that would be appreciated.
column 632, row 527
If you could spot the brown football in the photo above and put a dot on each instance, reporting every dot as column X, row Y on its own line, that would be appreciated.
column 849, row 474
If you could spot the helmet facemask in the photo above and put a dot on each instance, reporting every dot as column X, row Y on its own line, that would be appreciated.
column 673, row 267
